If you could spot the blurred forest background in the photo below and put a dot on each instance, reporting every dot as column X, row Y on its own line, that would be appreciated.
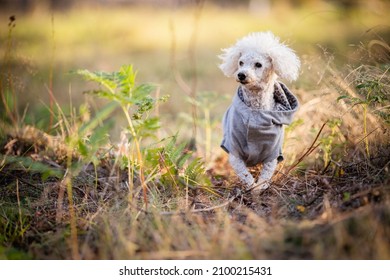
column 67, row 192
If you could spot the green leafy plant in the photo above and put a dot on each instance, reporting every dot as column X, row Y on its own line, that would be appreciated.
column 136, row 104
column 177, row 166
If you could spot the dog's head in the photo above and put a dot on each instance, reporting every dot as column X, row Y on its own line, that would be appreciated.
column 259, row 57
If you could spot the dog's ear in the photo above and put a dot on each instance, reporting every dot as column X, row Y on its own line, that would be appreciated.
column 285, row 62
column 229, row 57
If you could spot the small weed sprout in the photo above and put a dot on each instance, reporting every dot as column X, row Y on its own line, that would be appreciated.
column 330, row 142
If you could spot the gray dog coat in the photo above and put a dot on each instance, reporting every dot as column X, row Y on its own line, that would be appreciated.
column 254, row 135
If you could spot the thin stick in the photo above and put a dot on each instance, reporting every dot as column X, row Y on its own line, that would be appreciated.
column 309, row 150
column 19, row 209
column 51, row 95
column 201, row 210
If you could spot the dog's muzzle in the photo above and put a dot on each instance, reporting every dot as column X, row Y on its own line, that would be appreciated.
column 241, row 77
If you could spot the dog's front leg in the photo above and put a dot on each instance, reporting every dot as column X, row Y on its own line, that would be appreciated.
column 263, row 182
column 241, row 171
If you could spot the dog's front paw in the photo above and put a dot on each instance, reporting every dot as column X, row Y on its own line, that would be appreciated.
column 247, row 180
column 260, row 186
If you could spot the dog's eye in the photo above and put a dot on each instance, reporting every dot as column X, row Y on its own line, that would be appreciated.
column 258, row 65
column 241, row 63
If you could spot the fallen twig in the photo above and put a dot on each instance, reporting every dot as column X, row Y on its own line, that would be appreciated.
column 309, row 150
column 203, row 209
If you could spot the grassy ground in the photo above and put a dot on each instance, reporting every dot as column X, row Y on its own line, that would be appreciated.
column 67, row 190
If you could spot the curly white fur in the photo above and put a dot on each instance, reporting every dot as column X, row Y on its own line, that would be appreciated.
column 284, row 61
column 256, row 61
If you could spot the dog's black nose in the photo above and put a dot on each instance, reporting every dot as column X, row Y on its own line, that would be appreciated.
column 241, row 76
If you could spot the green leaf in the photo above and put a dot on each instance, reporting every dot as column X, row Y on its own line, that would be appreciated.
column 82, row 148
column 126, row 77
column 182, row 160
column 194, row 170
column 342, row 97
column 143, row 90
column 102, row 78
column 102, row 115
column 147, row 127
column 29, row 165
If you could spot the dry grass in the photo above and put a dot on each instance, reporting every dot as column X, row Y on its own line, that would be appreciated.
column 339, row 211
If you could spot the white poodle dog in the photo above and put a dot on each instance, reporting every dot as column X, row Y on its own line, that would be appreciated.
column 253, row 124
